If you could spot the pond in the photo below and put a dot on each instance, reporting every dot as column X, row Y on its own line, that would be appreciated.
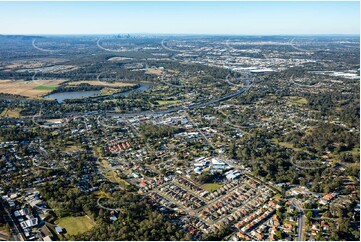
column 61, row 96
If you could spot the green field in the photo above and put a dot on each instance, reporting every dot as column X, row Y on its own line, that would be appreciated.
column 75, row 225
column 211, row 187
column 285, row 144
column 112, row 175
column 293, row 100
column 45, row 87
column 167, row 102
column 355, row 151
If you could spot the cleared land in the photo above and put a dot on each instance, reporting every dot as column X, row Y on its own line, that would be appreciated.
column 101, row 83
column 72, row 148
column 31, row 89
column 54, row 120
column 153, row 71
column 34, row 63
column 12, row 113
column 211, row 187
column 102, row 194
column 108, row 91
column 285, row 144
column 167, row 102
column 4, row 233
column 293, row 100
column 112, row 174
column 45, row 87
column 118, row 58
column 76, row 225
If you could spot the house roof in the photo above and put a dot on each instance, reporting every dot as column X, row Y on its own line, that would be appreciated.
column 47, row 238
column 58, row 229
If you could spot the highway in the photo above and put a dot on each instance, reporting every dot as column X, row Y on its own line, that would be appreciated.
column 248, row 84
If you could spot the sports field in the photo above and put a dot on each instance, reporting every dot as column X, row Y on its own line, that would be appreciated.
column 211, row 187
column 75, row 225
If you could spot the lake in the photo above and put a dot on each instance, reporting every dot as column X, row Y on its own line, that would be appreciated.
column 61, row 96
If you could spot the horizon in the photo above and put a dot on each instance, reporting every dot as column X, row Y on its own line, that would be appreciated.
column 185, row 34
column 180, row 18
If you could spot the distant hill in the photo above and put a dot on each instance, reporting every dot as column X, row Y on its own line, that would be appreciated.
column 20, row 37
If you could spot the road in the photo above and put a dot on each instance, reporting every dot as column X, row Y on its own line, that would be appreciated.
column 242, row 90
column 300, row 222
column 199, row 130
column 247, row 85
column 16, row 235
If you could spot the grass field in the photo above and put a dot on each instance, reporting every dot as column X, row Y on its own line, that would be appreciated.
column 45, row 87
column 273, row 97
column 108, row 91
column 112, row 175
column 31, row 89
column 211, row 187
column 293, row 100
column 167, row 102
column 75, row 225
column 285, row 144
column 102, row 194
column 153, row 71
column 355, row 151
column 72, row 148
column 100, row 83
column 12, row 113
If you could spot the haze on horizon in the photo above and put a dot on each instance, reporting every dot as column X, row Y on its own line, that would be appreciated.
column 233, row 18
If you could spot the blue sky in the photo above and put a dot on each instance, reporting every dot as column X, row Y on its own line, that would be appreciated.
column 180, row 17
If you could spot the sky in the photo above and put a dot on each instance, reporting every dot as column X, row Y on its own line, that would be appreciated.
column 248, row 18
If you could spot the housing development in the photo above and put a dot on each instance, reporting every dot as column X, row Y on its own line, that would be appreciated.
column 194, row 137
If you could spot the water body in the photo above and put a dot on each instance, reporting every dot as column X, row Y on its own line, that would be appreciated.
column 141, row 88
column 61, row 96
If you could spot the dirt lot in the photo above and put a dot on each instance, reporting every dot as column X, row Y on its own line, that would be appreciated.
column 31, row 89
column 100, row 83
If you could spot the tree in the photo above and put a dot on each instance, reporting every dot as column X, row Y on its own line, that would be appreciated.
column 7, row 228
column 279, row 234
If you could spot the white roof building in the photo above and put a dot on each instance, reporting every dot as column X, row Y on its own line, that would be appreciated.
column 218, row 165
column 29, row 223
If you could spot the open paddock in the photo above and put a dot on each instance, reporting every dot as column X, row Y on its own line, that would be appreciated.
column 31, row 89
column 154, row 71
column 11, row 113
